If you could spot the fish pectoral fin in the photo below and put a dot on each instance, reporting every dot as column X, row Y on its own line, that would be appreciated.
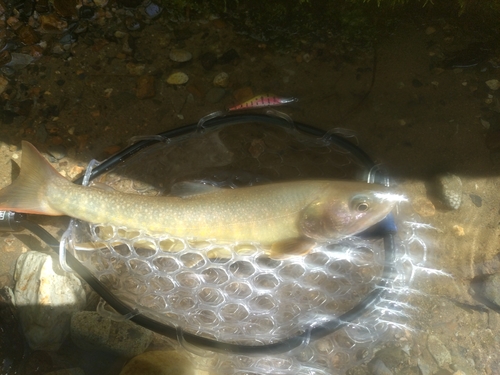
column 102, row 186
column 291, row 247
column 186, row 189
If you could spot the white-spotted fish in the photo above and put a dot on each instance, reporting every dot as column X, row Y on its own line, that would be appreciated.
column 290, row 217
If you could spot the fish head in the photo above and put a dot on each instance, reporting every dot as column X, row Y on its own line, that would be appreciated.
column 338, row 215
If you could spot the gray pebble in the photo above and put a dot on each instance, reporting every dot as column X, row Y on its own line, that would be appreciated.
column 377, row 367
column 476, row 199
column 490, row 288
column 449, row 190
column 438, row 351
column 57, row 151
column 215, row 95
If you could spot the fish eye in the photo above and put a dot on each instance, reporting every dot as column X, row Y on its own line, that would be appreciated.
column 360, row 204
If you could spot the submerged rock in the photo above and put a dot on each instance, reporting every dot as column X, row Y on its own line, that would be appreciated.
column 180, row 55
column 490, row 288
column 91, row 331
column 448, row 188
column 438, row 351
column 178, row 78
column 45, row 297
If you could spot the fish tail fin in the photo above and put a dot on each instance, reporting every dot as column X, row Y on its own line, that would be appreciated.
column 28, row 193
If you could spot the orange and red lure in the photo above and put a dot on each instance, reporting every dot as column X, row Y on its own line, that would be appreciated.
column 263, row 100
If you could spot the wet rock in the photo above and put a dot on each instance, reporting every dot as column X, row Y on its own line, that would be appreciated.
column 133, row 24
column 145, row 87
column 392, row 357
column 490, row 288
column 178, row 78
column 57, row 151
column 19, row 60
column 27, row 35
column 228, row 56
column 153, row 10
column 476, row 200
column 90, row 331
column 180, row 55
column 377, row 367
column 423, row 207
column 215, row 95
column 438, row 351
column 425, row 368
column 448, row 189
column 208, row 60
column 51, row 22
column 493, row 84
column 45, row 297
column 135, row 69
column 221, row 80
column 159, row 363
column 5, row 57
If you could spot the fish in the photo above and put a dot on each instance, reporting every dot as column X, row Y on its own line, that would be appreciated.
column 263, row 100
column 289, row 218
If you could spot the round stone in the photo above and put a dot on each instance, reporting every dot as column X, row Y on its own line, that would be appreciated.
column 178, row 78
column 180, row 55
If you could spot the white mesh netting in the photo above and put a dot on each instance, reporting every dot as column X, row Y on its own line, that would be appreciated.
column 233, row 292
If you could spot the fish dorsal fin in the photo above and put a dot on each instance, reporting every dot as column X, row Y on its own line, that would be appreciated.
column 291, row 247
column 186, row 189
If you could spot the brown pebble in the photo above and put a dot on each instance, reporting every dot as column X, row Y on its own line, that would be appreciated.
column 145, row 87
column 423, row 207
column 27, row 35
column 5, row 57
column 51, row 22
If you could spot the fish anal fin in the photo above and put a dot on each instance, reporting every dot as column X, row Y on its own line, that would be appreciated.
column 291, row 247
column 186, row 189
column 28, row 193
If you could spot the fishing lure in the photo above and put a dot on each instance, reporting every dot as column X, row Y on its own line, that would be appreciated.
column 263, row 100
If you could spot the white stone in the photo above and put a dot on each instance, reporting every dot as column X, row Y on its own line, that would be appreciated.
column 45, row 297
column 493, row 84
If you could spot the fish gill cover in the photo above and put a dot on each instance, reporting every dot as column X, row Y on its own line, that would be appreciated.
column 233, row 292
